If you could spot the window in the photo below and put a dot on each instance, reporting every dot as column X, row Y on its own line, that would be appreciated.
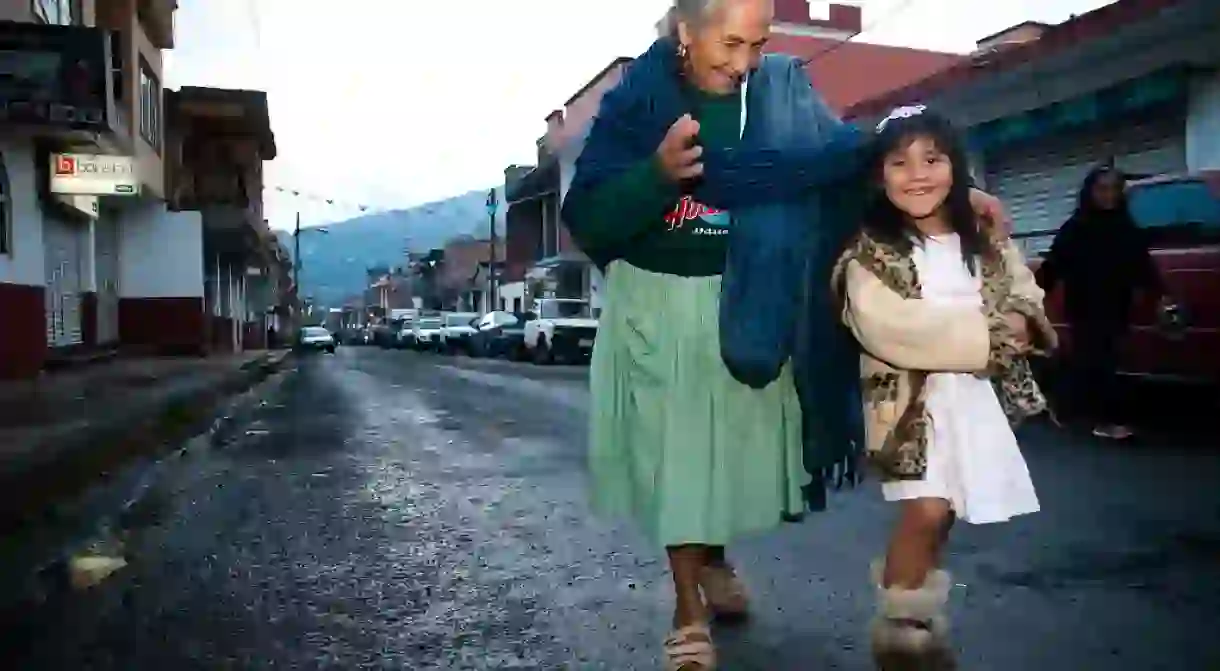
column 118, row 47
column 6, row 212
column 460, row 319
column 57, row 12
column 150, row 106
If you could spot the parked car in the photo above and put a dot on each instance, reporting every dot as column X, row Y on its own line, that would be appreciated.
column 456, row 329
column 404, row 335
column 560, row 329
column 500, row 334
column 383, row 335
column 427, row 332
column 316, row 339
column 1180, row 214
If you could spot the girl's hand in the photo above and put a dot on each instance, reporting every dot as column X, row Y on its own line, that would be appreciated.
column 993, row 218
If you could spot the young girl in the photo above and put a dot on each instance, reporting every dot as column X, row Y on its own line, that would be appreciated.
column 945, row 317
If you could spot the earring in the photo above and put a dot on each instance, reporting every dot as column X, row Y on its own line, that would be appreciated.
column 681, row 50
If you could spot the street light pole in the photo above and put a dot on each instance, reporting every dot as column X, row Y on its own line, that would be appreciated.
column 492, row 275
column 296, row 256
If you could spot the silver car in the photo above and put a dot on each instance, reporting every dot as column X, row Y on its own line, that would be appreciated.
column 317, row 339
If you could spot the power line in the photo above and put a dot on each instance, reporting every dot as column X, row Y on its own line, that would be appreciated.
column 902, row 7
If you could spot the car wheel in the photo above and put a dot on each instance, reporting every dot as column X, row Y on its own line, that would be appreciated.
column 330, row 350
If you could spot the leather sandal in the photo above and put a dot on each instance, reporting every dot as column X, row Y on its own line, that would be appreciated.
column 690, row 648
column 724, row 593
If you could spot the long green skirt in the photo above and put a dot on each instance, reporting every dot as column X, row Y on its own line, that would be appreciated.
column 692, row 455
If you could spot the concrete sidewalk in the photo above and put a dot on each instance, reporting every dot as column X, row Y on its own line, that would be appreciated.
column 62, row 431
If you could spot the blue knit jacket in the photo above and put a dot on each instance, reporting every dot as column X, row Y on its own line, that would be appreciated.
column 792, row 186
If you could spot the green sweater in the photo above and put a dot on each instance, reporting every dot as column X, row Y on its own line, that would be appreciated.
column 645, row 219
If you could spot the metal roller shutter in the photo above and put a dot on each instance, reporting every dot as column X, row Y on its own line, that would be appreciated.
column 1039, row 181
column 62, row 245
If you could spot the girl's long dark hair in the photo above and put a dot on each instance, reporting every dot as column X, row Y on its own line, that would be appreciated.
column 885, row 223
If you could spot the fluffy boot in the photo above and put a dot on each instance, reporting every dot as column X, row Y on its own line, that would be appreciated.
column 911, row 629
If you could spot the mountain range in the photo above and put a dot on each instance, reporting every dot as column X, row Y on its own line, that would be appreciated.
column 333, row 263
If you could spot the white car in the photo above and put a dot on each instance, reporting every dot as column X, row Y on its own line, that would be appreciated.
column 456, row 331
column 427, row 332
column 560, row 328
column 405, row 337
column 316, row 338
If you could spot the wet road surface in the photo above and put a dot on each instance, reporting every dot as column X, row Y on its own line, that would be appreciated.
column 391, row 510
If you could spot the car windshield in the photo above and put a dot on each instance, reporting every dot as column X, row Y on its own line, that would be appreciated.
column 314, row 332
column 429, row 323
column 460, row 318
column 564, row 310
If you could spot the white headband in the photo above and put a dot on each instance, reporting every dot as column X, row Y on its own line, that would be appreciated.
column 904, row 112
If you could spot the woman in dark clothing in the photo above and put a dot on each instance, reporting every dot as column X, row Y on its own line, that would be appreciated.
column 1102, row 259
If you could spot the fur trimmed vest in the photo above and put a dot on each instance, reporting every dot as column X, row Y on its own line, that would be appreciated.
column 903, row 339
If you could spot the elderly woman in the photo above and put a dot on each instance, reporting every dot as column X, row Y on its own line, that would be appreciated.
column 704, row 144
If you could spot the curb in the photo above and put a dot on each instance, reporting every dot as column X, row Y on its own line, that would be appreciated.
column 34, row 572
column 73, row 463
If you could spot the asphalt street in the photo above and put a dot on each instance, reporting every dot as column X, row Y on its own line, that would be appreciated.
column 394, row 510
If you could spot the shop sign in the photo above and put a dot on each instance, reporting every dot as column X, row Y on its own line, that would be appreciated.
column 94, row 175
column 56, row 76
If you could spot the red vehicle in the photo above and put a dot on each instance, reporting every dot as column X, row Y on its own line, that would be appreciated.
column 1181, row 217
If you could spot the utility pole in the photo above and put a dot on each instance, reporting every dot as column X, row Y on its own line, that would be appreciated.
column 296, row 268
column 296, row 255
column 492, row 275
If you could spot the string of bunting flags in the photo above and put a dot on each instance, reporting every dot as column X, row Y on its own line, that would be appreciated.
column 300, row 193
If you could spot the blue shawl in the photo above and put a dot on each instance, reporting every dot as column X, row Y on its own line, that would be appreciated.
column 789, row 186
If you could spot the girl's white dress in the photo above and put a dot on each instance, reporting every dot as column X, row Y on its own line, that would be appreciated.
column 974, row 461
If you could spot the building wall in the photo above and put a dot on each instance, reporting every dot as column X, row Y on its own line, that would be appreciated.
column 25, row 265
column 1203, row 123
column 120, row 15
column 161, row 252
column 512, row 296
column 148, row 158
column 524, row 235
column 462, row 259
column 23, row 346
column 577, row 117
column 161, row 279
column 20, row 10
column 16, row 10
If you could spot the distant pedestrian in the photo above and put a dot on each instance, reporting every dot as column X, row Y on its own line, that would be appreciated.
column 945, row 315
column 1102, row 260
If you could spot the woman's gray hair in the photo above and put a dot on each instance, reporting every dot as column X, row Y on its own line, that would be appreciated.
column 693, row 11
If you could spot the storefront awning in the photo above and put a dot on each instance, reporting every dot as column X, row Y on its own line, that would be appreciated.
column 1110, row 104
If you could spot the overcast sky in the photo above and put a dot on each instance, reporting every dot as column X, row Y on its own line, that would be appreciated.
column 392, row 103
